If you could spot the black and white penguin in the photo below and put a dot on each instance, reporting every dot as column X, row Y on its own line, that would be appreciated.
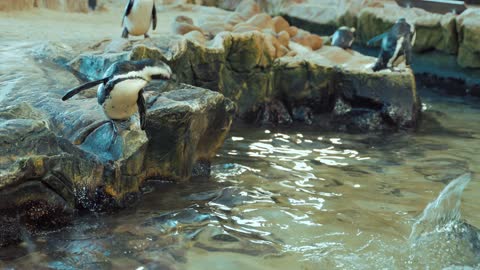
column 344, row 37
column 138, row 16
column 92, row 4
column 396, row 45
column 121, row 89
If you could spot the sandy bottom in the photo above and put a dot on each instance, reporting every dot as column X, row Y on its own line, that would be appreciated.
column 47, row 25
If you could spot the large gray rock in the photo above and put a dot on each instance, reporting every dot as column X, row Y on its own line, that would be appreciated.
column 60, row 156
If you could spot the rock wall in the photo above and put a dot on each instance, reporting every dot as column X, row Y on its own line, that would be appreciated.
column 243, row 68
column 468, row 26
column 449, row 33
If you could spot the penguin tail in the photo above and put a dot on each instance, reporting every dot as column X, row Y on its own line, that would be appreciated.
column 82, row 87
column 125, row 33
column 376, row 39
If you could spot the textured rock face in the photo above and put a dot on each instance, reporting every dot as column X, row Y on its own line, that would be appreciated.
column 60, row 156
column 468, row 25
column 272, row 89
column 372, row 18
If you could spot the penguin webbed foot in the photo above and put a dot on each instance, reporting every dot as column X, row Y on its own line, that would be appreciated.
column 146, row 35
column 125, row 33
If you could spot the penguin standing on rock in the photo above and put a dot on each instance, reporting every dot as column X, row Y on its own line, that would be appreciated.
column 344, row 37
column 120, row 92
column 396, row 45
column 138, row 16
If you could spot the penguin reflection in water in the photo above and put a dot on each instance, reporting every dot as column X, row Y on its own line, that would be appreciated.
column 120, row 91
column 396, row 45
column 138, row 16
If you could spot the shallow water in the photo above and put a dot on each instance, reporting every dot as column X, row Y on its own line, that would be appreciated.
column 289, row 199
column 280, row 198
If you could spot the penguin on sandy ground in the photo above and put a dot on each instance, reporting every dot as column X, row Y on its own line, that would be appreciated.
column 396, row 45
column 343, row 37
column 138, row 16
column 120, row 92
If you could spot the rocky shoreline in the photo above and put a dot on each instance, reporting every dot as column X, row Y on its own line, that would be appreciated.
column 62, row 156
column 449, row 33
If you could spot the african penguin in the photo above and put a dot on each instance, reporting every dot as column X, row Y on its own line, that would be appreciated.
column 396, row 45
column 138, row 16
column 92, row 4
column 343, row 37
column 121, row 89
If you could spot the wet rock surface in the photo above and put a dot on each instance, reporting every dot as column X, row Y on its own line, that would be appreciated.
column 468, row 26
column 61, row 156
column 446, row 33
column 63, row 5
column 269, row 85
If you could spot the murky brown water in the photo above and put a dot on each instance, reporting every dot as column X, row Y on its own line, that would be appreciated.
column 291, row 198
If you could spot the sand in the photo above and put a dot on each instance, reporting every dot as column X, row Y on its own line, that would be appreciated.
column 40, row 25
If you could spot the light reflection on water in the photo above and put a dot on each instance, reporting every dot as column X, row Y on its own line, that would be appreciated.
column 285, row 199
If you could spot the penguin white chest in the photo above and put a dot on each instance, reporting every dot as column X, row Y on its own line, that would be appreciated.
column 139, row 19
column 122, row 100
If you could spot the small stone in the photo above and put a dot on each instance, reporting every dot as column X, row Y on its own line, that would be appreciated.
column 213, row 28
column 280, row 24
column 245, row 27
column 341, row 107
column 292, row 31
column 183, row 28
column 183, row 25
column 284, row 38
column 315, row 42
column 234, row 19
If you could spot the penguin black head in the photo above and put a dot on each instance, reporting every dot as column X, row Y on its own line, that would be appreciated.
column 156, row 70
column 343, row 37
column 149, row 69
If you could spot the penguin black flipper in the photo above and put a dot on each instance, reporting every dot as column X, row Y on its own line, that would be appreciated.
column 128, row 8
column 376, row 39
column 386, row 57
column 82, row 87
column 104, row 90
column 142, row 110
column 154, row 17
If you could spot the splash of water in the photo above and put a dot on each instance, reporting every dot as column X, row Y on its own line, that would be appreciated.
column 440, row 238
column 445, row 210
